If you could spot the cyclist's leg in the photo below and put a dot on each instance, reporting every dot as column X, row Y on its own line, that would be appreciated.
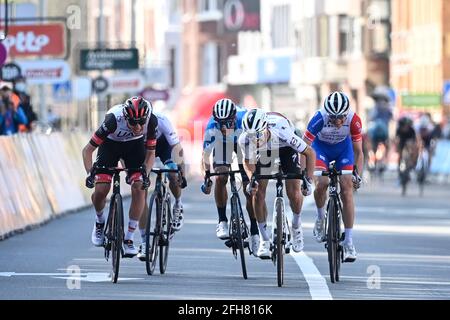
column 133, row 155
column 345, row 161
column 321, row 183
column 107, row 157
column 289, row 159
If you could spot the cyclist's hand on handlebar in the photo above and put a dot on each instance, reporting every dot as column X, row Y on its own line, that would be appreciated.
column 356, row 179
column 252, row 187
column 307, row 186
column 90, row 181
column 145, row 179
column 183, row 182
column 207, row 183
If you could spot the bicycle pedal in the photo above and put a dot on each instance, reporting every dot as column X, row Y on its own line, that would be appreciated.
column 229, row 243
column 287, row 250
column 265, row 257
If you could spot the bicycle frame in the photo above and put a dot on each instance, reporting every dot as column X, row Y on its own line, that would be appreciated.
column 238, row 230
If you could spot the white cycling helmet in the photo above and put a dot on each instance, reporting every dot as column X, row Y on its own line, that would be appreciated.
column 224, row 109
column 337, row 104
column 254, row 121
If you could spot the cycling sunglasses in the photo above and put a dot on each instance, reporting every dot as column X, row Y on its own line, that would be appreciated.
column 134, row 122
column 339, row 117
column 227, row 123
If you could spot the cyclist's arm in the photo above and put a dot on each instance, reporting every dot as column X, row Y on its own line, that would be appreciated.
column 208, row 145
column 108, row 126
column 356, row 134
column 359, row 156
column 151, row 143
column 249, row 168
column 178, row 156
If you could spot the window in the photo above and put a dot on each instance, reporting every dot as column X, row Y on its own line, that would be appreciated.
column 281, row 31
column 209, row 64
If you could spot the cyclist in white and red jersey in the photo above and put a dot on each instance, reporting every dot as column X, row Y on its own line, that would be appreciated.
column 129, row 133
column 170, row 152
column 266, row 137
column 335, row 134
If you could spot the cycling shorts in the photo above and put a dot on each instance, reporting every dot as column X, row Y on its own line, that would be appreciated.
column 341, row 152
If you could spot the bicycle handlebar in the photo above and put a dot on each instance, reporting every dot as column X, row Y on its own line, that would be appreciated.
column 276, row 176
column 327, row 173
column 225, row 173
column 158, row 170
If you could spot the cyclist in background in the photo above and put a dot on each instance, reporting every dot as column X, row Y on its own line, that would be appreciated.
column 266, row 137
column 406, row 137
column 129, row 133
column 220, row 139
column 335, row 133
column 170, row 152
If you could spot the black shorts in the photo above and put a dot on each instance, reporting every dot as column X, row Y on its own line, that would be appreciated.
column 289, row 160
column 110, row 152
column 163, row 150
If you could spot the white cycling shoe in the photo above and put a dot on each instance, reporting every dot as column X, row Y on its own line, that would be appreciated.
column 98, row 237
column 141, row 253
column 178, row 219
column 349, row 252
column 264, row 250
column 222, row 230
column 319, row 230
column 129, row 250
column 254, row 241
column 297, row 239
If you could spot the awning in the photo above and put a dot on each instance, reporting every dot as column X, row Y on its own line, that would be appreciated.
column 192, row 111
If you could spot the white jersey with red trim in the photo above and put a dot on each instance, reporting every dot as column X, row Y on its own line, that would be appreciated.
column 165, row 128
column 281, row 134
column 323, row 129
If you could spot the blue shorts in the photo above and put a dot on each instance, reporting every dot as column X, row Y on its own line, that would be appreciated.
column 341, row 152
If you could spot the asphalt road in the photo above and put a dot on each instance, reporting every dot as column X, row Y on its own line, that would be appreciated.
column 402, row 243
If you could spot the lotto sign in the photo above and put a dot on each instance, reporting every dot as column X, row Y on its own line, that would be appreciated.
column 36, row 40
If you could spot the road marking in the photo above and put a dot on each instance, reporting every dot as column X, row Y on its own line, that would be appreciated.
column 317, row 284
column 89, row 276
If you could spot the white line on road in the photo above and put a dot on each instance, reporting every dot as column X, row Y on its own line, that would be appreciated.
column 317, row 284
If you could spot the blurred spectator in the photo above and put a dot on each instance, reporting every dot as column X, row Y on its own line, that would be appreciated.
column 20, row 89
column 53, row 119
column 11, row 114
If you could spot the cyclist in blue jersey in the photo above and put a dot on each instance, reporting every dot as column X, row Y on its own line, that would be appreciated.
column 335, row 134
column 220, row 140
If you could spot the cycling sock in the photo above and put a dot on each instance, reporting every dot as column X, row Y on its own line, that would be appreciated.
column 321, row 213
column 100, row 217
column 178, row 203
column 262, row 230
column 253, row 227
column 222, row 214
column 348, row 236
column 142, row 231
column 132, row 225
column 296, row 220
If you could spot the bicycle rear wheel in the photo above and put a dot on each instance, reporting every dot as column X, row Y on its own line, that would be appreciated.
column 279, row 242
column 236, row 214
column 152, row 231
column 117, row 236
column 164, row 241
column 332, row 240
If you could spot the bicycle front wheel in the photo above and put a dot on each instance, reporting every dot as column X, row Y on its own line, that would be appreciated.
column 332, row 240
column 236, row 214
column 279, row 241
column 152, row 232
column 164, row 241
column 117, row 236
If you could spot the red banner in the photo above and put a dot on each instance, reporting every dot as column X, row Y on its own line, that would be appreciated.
column 36, row 40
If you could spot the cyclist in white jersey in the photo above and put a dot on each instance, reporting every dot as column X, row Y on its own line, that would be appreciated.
column 129, row 133
column 266, row 137
column 170, row 152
